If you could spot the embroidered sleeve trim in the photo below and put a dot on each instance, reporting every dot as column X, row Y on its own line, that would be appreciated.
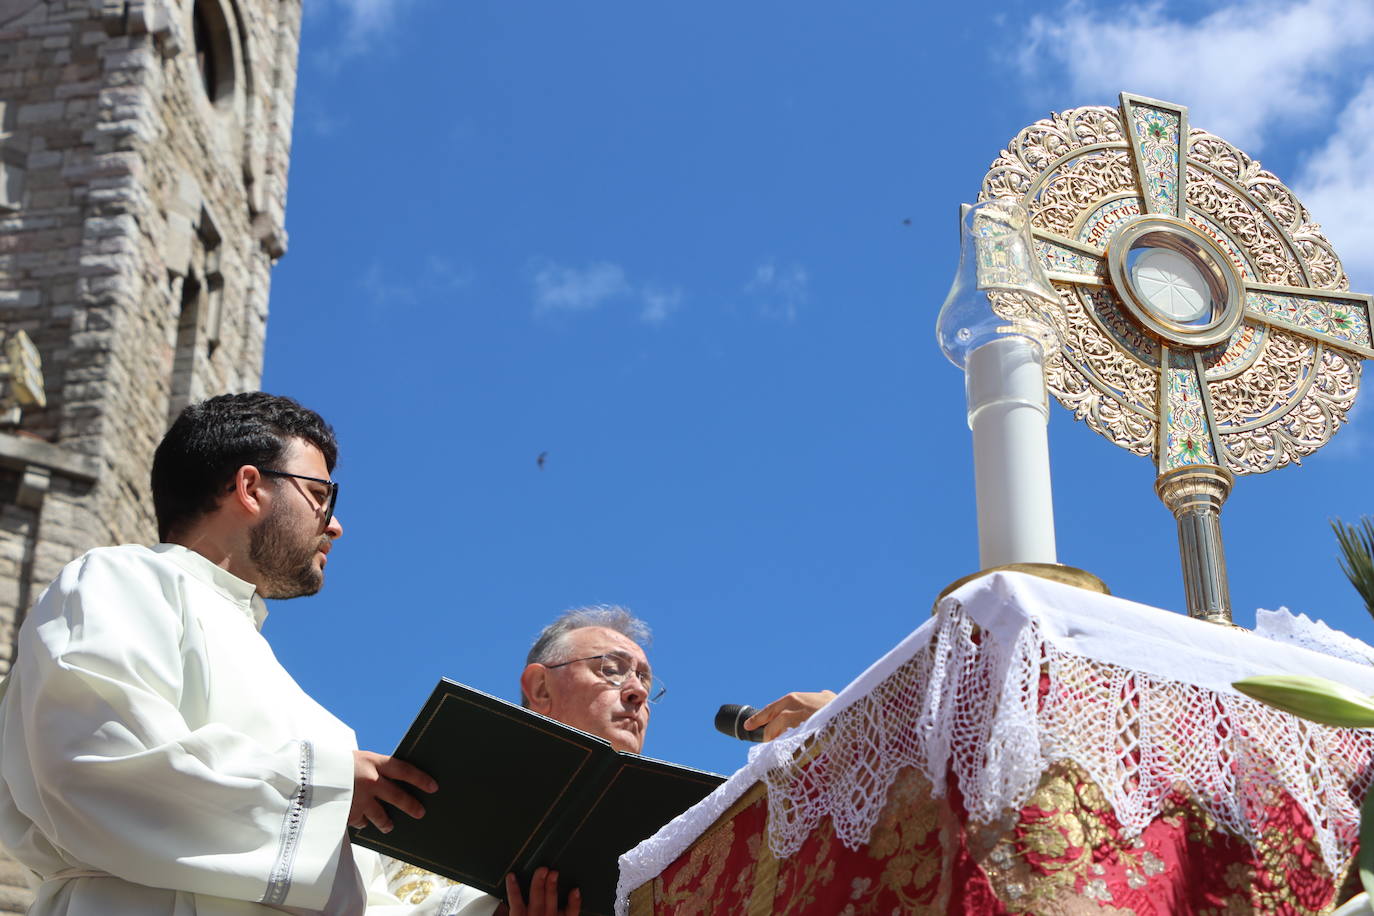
column 279, row 883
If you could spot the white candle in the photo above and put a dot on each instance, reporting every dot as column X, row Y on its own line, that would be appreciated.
column 1008, row 412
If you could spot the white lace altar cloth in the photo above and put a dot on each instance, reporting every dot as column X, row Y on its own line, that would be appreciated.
column 1298, row 630
column 1015, row 673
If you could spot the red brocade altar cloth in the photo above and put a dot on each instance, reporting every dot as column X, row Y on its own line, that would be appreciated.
column 1036, row 749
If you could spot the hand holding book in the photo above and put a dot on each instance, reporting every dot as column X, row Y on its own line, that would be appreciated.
column 543, row 897
column 574, row 812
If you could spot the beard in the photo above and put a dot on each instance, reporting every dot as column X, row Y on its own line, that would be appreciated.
column 285, row 558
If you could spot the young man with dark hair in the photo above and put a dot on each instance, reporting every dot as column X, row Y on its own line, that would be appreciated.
column 155, row 758
column 209, row 441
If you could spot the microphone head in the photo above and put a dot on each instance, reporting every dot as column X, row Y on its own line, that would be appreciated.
column 730, row 721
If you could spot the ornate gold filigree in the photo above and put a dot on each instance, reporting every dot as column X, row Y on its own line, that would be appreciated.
column 1273, row 395
column 1271, row 388
column 1310, row 414
column 1037, row 147
column 1263, row 246
column 1079, row 186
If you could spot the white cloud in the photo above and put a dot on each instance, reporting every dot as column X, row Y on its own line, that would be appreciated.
column 1243, row 69
column 1336, row 183
column 370, row 16
column 358, row 24
column 781, row 289
column 659, row 304
column 570, row 289
column 558, row 288
column 385, row 291
column 435, row 283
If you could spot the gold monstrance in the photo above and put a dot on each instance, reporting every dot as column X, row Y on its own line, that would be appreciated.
column 1202, row 316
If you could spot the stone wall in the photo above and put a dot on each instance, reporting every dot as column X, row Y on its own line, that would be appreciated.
column 143, row 159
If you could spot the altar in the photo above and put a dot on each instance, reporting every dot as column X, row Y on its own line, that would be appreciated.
column 1042, row 748
column 1038, row 748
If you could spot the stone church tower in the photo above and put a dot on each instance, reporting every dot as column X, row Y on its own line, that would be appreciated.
column 143, row 157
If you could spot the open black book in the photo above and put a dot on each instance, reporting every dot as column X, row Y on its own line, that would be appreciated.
column 518, row 790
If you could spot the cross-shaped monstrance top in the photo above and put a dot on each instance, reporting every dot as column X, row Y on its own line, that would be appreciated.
column 1203, row 317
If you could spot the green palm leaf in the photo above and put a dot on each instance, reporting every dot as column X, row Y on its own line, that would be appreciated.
column 1357, row 556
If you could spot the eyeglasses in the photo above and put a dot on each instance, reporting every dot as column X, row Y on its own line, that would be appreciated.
column 326, row 504
column 616, row 668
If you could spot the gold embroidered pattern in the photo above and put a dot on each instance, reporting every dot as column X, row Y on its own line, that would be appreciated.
column 412, row 884
column 692, row 887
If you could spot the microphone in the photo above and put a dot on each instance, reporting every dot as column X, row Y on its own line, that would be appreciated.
column 730, row 721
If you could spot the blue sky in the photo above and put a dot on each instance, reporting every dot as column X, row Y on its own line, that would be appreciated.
column 695, row 254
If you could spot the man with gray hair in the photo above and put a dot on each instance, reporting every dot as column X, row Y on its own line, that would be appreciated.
column 609, row 639
column 588, row 669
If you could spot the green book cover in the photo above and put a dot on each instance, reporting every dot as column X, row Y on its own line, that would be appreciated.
column 518, row 790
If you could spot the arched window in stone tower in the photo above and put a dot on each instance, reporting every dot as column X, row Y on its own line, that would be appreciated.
column 201, row 290
column 214, row 47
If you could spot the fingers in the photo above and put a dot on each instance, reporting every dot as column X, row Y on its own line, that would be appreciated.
column 359, row 809
column 389, row 792
column 401, row 771
column 765, row 715
column 789, row 710
column 373, row 776
column 543, row 896
column 514, row 899
column 369, row 811
column 783, row 722
column 544, row 893
column 373, row 766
